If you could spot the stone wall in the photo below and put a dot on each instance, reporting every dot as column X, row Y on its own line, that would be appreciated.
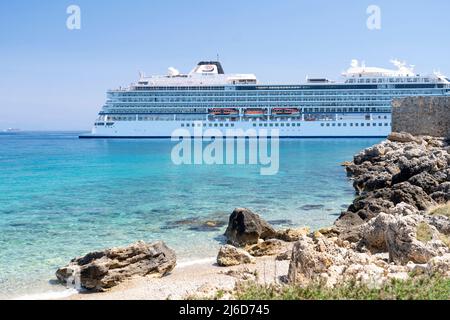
column 422, row 115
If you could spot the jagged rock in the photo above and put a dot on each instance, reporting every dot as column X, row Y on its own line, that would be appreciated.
column 434, row 141
column 402, row 137
column 442, row 176
column 372, row 181
column 403, row 209
column 370, row 153
column 355, row 170
column 329, row 232
column 323, row 260
column 441, row 223
column 231, row 256
column 105, row 269
column 269, row 247
column 444, row 187
column 347, row 220
column 440, row 197
column 405, row 243
column 410, row 194
column 371, row 205
column 440, row 265
column 308, row 261
column 348, row 226
column 346, row 163
column 425, row 181
column 416, row 151
column 373, row 233
column 291, row 235
column 411, row 167
column 246, row 227
column 384, row 199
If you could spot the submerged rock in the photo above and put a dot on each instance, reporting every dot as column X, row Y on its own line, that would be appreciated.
column 207, row 226
column 308, row 207
column 101, row 270
column 281, row 222
column 246, row 227
column 231, row 256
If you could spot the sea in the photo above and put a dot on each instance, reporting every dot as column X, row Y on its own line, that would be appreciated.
column 62, row 197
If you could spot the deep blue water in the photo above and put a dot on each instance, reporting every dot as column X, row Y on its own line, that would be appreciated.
column 61, row 197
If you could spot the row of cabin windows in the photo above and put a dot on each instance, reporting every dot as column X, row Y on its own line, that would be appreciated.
column 232, row 124
column 379, row 124
column 209, row 125
column 130, row 118
column 276, row 124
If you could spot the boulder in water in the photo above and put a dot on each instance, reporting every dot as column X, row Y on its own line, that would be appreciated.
column 246, row 227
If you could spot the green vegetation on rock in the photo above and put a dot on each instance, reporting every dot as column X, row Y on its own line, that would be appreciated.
column 419, row 288
column 424, row 232
column 443, row 210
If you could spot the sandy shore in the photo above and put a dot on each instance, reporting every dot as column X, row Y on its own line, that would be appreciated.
column 197, row 279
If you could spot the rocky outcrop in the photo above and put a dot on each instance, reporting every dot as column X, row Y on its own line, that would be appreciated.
column 402, row 169
column 406, row 237
column 101, row 270
column 246, row 227
column 231, row 256
column 387, row 232
column 330, row 261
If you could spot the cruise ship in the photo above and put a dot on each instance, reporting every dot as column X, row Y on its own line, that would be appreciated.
column 358, row 105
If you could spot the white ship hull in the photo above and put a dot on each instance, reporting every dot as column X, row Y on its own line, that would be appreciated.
column 313, row 129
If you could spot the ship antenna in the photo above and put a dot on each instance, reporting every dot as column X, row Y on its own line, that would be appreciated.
column 217, row 57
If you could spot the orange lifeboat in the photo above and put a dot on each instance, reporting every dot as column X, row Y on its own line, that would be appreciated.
column 223, row 112
column 286, row 111
column 254, row 112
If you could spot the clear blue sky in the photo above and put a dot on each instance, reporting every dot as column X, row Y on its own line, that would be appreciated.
column 52, row 78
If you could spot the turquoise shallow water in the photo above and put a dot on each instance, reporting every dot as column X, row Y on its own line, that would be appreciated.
column 61, row 197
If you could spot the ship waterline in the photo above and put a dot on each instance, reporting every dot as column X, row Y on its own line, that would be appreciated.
column 357, row 106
